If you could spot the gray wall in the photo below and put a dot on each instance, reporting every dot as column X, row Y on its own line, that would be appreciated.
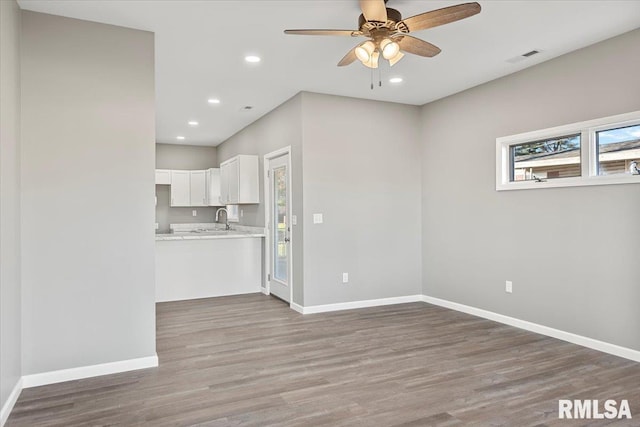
column 280, row 128
column 88, row 141
column 174, row 156
column 10, row 313
column 362, row 172
column 185, row 157
column 572, row 253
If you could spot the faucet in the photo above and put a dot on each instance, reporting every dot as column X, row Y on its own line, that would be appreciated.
column 226, row 216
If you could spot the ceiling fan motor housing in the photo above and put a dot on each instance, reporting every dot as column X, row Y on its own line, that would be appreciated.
column 393, row 17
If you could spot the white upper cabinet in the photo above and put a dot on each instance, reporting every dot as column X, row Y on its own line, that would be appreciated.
column 163, row 177
column 180, row 188
column 198, row 188
column 239, row 182
column 213, row 187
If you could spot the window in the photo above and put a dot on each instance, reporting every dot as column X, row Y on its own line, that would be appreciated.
column 617, row 149
column 596, row 152
column 546, row 159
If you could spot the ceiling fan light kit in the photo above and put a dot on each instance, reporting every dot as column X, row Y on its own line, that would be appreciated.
column 388, row 34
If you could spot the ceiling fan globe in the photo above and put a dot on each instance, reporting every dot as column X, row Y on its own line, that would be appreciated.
column 389, row 48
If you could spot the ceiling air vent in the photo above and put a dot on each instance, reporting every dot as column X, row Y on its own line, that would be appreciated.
column 246, row 108
column 524, row 56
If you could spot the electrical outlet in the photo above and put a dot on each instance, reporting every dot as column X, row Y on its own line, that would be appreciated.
column 194, row 212
column 317, row 218
column 345, row 277
column 508, row 286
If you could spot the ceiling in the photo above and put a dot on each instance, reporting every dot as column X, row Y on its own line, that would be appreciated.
column 201, row 45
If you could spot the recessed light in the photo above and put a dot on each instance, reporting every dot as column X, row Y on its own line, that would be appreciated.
column 252, row 59
column 395, row 80
column 213, row 101
column 193, row 123
column 180, row 137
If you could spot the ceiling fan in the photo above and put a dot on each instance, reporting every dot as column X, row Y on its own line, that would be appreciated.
column 388, row 34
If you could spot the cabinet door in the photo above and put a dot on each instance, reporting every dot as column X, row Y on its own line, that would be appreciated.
column 234, row 182
column 198, row 188
column 224, row 184
column 248, row 179
column 163, row 177
column 213, row 187
column 180, row 188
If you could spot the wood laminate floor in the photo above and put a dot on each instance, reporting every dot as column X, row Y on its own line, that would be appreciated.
column 251, row 361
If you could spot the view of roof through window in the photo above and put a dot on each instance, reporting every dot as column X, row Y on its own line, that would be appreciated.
column 617, row 149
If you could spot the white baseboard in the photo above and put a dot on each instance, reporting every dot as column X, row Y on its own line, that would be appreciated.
column 356, row 304
column 11, row 401
column 297, row 307
column 52, row 377
column 265, row 291
column 602, row 346
column 594, row 344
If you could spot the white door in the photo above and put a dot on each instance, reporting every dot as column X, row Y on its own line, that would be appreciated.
column 180, row 188
column 280, row 227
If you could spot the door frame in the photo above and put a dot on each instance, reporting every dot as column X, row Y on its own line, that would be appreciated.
column 267, row 219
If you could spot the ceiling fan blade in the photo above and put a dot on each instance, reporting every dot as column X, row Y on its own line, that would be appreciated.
column 374, row 10
column 349, row 58
column 442, row 16
column 418, row 47
column 348, row 33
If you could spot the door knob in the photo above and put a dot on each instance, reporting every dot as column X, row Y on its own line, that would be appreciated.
column 287, row 240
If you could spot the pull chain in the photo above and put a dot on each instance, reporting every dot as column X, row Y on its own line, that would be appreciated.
column 372, row 79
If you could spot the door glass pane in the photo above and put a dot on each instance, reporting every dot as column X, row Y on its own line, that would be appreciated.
column 280, row 223
column 618, row 150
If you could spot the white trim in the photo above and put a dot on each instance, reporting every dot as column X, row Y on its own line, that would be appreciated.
column 10, row 403
column 267, row 218
column 594, row 344
column 264, row 290
column 52, row 377
column 587, row 130
column 297, row 307
column 583, row 341
column 357, row 304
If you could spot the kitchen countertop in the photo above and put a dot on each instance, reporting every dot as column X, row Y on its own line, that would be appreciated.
column 206, row 235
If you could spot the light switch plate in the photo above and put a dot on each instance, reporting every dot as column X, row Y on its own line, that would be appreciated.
column 508, row 286
column 294, row 220
column 194, row 212
column 317, row 218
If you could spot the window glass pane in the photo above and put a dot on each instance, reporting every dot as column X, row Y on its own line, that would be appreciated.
column 618, row 149
column 280, row 226
column 546, row 159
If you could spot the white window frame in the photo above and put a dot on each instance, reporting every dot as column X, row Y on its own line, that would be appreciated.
column 588, row 154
